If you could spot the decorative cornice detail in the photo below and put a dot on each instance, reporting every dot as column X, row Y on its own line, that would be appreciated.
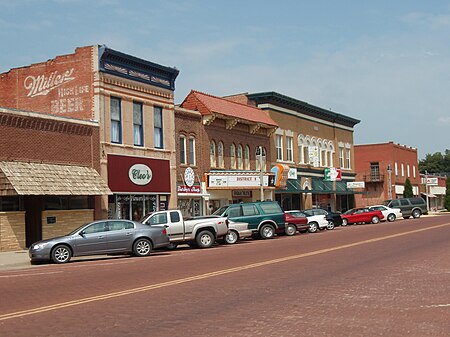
column 125, row 84
column 231, row 123
column 254, row 128
column 208, row 119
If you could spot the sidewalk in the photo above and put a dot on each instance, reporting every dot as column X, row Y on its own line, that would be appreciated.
column 14, row 260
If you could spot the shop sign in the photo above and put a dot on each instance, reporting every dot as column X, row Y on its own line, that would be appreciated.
column 241, row 194
column 356, row 184
column 431, row 181
column 292, row 173
column 189, row 176
column 313, row 153
column 140, row 174
column 188, row 189
column 237, row 181
column 332, row 174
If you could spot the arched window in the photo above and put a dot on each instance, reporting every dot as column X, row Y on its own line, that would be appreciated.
column 240, row 164
column 247, row 158
column 183, row 150
column 220, row 155
column 259, row 159
column 212, row 154
column 233, row 156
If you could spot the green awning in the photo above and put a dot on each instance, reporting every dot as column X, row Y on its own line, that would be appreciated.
column 320, row 186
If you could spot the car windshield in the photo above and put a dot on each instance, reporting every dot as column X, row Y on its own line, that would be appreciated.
column 221, row 210
column 76, row 230
column 350, row 211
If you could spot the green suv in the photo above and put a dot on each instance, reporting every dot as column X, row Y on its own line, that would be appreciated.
column 414, row 207
column 264, row 218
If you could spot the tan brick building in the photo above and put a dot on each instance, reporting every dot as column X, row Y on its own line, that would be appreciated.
column 218, row 141
column 307, row 144
column 130, row 98
column 49, row 180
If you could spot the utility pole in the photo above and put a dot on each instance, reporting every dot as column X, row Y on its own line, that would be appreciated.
column 426, row 190
column 261, row 176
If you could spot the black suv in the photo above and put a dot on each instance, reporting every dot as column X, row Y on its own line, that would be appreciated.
column 333, row 217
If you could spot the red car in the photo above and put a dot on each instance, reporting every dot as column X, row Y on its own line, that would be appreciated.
column 361, row 215
column 295, row 221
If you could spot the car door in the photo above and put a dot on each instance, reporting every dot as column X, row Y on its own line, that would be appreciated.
column 120, row 235
column 92, row 239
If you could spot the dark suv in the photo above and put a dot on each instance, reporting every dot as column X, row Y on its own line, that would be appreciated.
column 263, row 218
column 414, row 207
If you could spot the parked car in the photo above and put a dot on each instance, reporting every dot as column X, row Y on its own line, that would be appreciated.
column 315, row 222
column 101, row 237
column 389, row 214
column 199, row 231
column 414, row 207
column 264, row 218
column 295, row 221
column 334, row 217
column 237, row 231
column 361, row 215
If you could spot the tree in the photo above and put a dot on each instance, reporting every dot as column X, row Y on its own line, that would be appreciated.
column 447, row 195
column 435, row 163
column 408, row 192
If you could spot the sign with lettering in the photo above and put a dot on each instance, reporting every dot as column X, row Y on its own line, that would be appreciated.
column 140, row 174
column 356, row 184
column 332, row 174
column 238, row 180
column 188, row 189
column 432, row 181
column 241, row 194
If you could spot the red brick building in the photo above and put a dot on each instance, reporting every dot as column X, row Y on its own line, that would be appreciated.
column 217, row 157
column 384, row 169
column 132, row 100
column 49, row 180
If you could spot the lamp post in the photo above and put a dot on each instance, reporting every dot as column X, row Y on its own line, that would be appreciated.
column 389, row 169
column 261, row 176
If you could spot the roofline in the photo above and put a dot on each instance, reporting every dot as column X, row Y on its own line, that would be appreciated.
column 274, row 97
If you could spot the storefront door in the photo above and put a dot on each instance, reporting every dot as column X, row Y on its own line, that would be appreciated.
column 34, row 205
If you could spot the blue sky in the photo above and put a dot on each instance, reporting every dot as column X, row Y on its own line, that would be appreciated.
column 383, row 62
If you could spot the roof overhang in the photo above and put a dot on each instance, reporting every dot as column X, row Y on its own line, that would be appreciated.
column 22, row 178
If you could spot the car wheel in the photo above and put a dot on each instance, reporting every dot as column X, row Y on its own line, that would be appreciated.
column 391, row 217
column 313, row 227
column 231, row 237
column 205, row 239
column 344, row 222
column 61, row 254
column 375, row 219
column 266, row 231
column 416, row 214
column 142, row 247
column 172, row 246
column 330, row 225
column 290, row 229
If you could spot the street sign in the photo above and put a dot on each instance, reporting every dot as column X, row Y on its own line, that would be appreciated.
column 332, row 174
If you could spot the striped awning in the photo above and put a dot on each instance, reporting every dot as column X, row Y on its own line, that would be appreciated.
column 21, row 178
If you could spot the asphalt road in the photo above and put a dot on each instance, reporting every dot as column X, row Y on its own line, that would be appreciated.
column 389, row 279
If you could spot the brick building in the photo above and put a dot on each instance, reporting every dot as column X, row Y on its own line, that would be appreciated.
column 384, row 168
column 218, row 160
column 132, row 100
column 49, row 180
column 433, row 189
column 308, row 142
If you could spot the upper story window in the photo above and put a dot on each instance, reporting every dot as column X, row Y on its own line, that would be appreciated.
column 375, row 171
column 341, row 156
column 138, row 128
column 414, row 171
column 396, row 169
column 240, row 164
column 212, row 154
column 260, row 158
column 347, row 158
column 407, row 171
column 192, row 160
column 116, row 120
column 220, row 155
column 158, row 127
column 247, row 158
column 183, row 150
column 403, row 170
column 233, row 156
column 279, row 146
column 289, row 152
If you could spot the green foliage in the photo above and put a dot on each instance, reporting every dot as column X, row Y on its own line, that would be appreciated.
column 447, row 195
column 435, row 163
column 408, row 192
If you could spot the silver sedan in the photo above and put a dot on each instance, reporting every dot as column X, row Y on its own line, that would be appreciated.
column 101, row 237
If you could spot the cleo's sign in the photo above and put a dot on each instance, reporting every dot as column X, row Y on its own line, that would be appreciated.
column 140, row 174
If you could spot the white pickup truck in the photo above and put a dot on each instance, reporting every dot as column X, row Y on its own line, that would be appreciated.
column 201, row 231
